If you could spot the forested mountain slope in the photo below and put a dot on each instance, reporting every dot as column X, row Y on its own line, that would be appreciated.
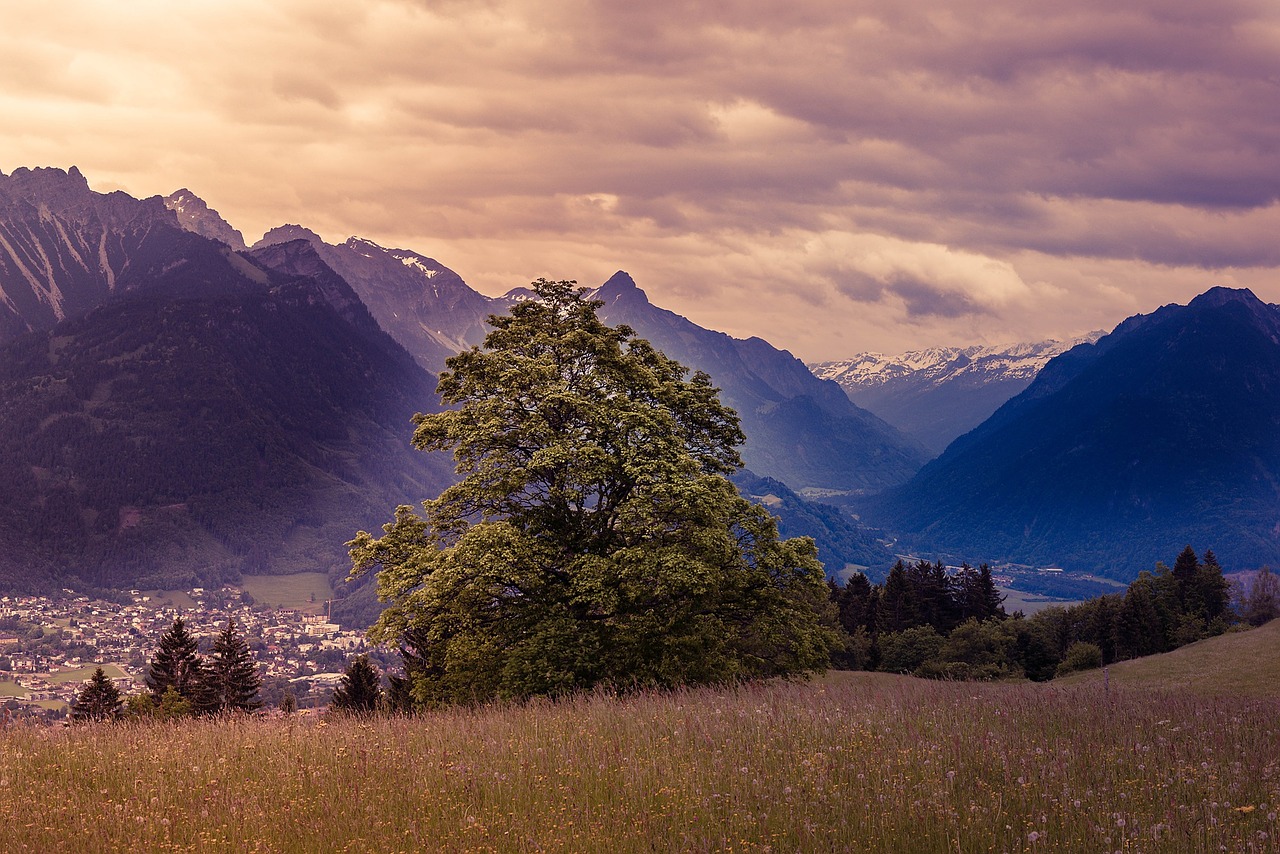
column 1164, row 433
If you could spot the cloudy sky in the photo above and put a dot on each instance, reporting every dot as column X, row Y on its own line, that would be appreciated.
column 833, row 175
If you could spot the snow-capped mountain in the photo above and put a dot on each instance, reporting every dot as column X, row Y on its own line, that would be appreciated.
column 940, row 393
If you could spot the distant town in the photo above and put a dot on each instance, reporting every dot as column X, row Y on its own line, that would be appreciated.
column 49, row 646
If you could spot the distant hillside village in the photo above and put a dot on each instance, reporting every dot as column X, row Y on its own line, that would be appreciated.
column 50, row 646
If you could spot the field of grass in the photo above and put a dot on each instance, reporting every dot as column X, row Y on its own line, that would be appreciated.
column 1239, row 664
column 863, row 762
column 174, row 598
column 1030, row 603
column 81, row 674
column 11, row 689
column 306, row 591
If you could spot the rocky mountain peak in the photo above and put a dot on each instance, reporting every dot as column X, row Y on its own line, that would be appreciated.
column 286, row 233
column 620, row 289
column 45, row 184
column 1220, row 296
column 195, row 215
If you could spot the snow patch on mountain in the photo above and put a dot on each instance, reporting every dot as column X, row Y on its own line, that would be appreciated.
column 1020, row 361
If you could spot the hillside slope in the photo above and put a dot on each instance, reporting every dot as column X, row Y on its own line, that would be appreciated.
column 1240, row 664
column 224, row 414
column 1164, row 433
column 801, row 430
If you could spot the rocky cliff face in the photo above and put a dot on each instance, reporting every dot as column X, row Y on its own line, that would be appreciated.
column 423, row 304
column 195, row 215
column 65, row 249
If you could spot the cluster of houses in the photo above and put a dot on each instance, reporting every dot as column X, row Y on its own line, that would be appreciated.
column 50, row 645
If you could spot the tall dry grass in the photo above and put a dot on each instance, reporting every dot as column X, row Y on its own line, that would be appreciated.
column 862, row 763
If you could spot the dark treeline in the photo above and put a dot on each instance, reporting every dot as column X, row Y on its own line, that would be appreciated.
column 927, row 621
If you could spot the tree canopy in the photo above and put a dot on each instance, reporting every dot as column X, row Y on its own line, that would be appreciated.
column 593, row 537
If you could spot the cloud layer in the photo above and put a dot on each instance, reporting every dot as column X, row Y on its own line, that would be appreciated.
column 832, row 176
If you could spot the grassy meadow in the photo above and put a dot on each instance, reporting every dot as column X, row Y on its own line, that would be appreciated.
column 1237, row 664
column 305, row 591
column 80, row 674
column 863, row 762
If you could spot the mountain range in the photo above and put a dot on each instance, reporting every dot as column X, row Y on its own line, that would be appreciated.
column 801, row 429
column 1164, row 433
column 173, row 412
column 937, row 394
column 178, row 409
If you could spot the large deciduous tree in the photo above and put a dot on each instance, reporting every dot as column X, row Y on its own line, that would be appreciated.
column 593, row 538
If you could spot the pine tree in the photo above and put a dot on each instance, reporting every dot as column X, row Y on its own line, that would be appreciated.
column 1184, row 571
column 399, row 697
column 1212, row 591
column 990, row 599
column 98, row 700
column 359, row 690
column 897, row 608
column 854, row 602
column 176, row 665
column 232, row 674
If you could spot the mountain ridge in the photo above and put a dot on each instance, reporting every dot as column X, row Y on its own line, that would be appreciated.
column 939, row 393
column 1166, row 432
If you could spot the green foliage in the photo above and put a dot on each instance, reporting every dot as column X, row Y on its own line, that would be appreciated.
column 907, row 650
column 979, row 650
column 1080, row 656
column 359, row 691
column 593, row 538
column 140, row 707
column 98, row 700
column 911, row 621
column 174, row 706
column 1262, row 603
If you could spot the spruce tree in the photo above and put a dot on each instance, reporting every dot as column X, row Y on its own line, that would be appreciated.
column 359, row 690
column 176, row 665
column 232, row 674
column 98, row 700
column 897, row 607
column 990, row 599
